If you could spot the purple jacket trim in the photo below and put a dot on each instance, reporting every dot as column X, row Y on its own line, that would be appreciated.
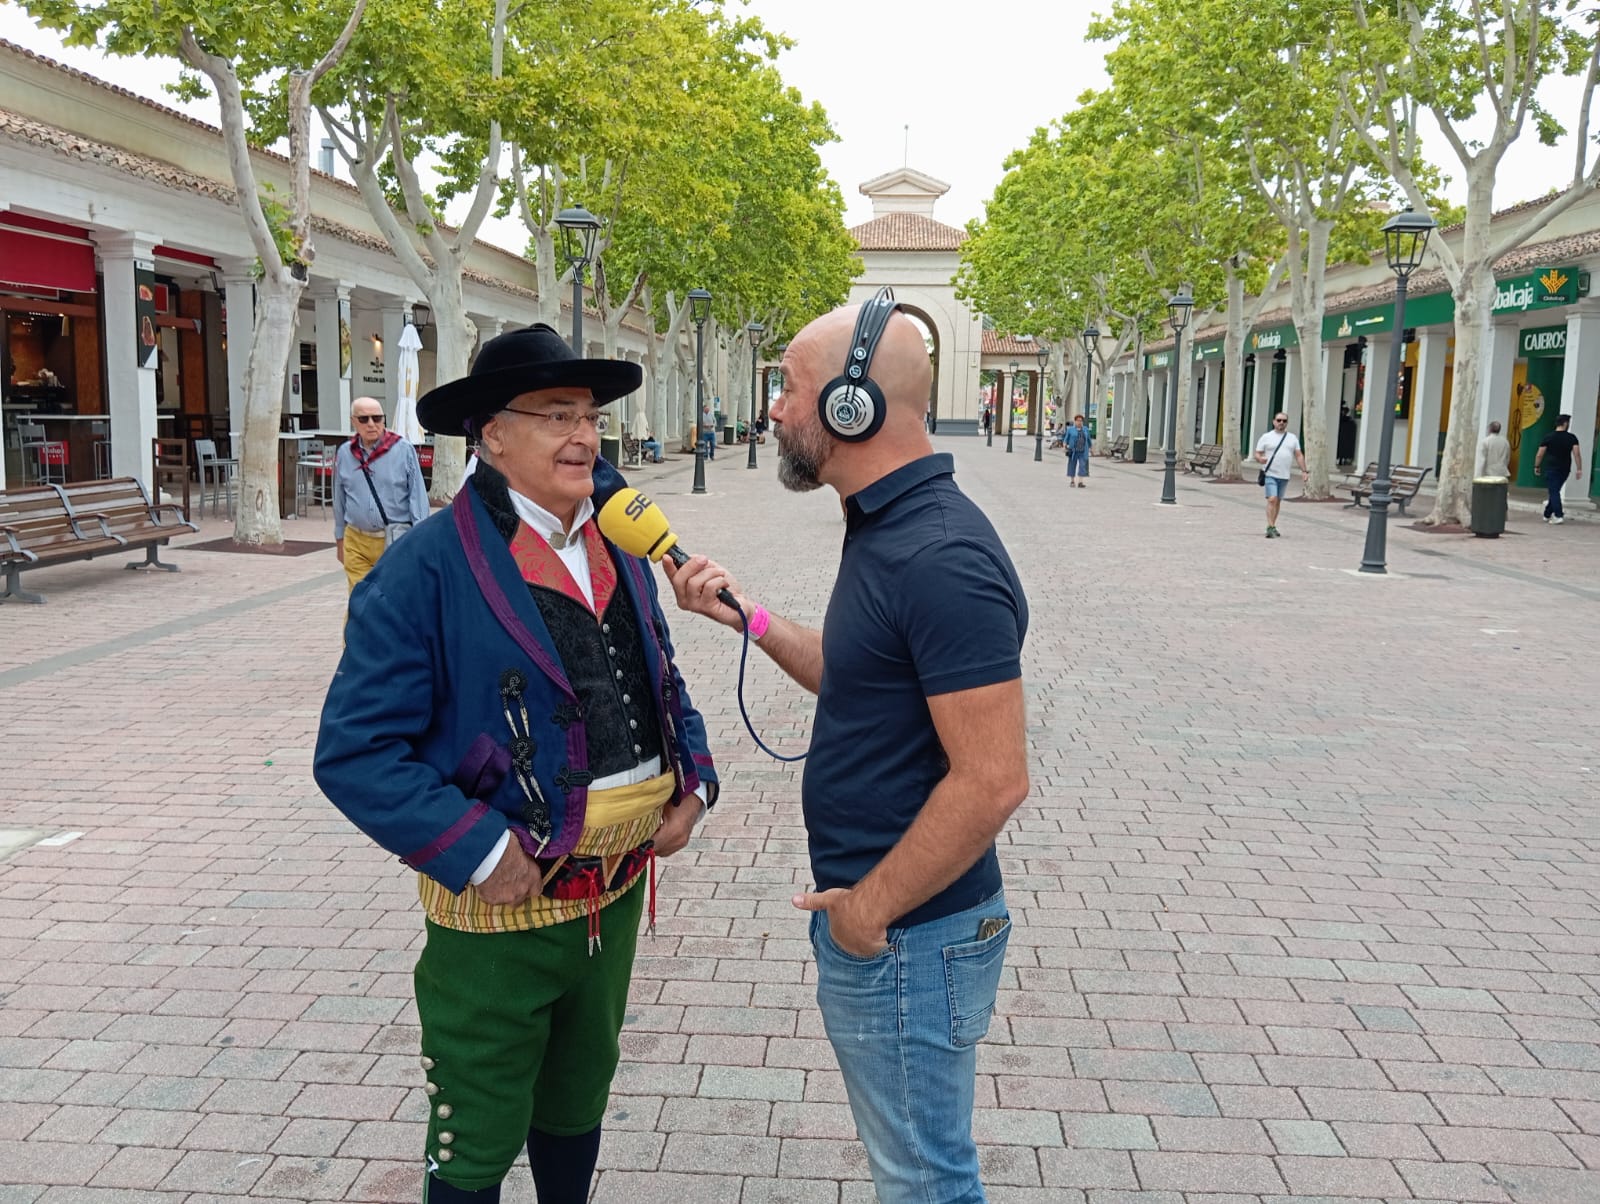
column 702, row 759
column 467, row 528
column 456, row 831
column 483, row 768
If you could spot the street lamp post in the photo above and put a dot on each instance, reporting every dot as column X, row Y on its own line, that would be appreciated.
column 1038, row 440
column 579, row 230
column 1091, row 340
column 1011, row 382
column 699, row 312
column 1405, row 238
column 1178, row 310
column 756, row 330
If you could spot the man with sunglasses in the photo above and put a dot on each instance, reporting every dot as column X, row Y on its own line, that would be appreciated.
column 1276, row 451
column 377, row 490
column 521, row 737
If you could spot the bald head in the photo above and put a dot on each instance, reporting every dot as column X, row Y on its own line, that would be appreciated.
column 900, row 365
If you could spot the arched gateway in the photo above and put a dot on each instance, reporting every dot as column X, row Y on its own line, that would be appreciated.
column 905, row 248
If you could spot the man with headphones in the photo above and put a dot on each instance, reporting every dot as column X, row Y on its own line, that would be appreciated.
column 919, row 753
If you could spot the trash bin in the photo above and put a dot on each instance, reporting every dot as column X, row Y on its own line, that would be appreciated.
column 1140, row 448
column 1489, row 506
column 611, row 449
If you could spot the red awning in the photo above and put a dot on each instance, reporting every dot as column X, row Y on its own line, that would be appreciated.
column 44, row 260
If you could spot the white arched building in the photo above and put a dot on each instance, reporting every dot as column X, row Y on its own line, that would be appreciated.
column 904, row 247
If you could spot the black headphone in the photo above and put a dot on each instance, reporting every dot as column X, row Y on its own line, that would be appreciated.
column 851, row 406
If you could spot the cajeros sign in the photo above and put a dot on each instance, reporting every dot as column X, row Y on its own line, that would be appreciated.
column 1542, row 343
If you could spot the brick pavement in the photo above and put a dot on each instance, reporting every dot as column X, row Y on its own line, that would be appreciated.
column 1281, row 934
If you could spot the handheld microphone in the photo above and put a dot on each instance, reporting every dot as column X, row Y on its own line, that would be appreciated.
column 635, row 524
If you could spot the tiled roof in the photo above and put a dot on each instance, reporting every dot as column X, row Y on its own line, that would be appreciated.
column 1534, row 255
column 907, row 232
column 997, row 344
column 15, row 127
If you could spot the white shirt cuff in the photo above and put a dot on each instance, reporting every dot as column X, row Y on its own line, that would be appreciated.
column 487, row 865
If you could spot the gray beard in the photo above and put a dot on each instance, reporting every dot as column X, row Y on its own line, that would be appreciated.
column 797, row 472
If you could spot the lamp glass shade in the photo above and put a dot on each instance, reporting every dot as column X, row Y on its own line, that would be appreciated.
column 699, row 306
column 756, row 329
column 1179, row 307
column 1091, row 337
column 1405, row 239
column 579, row 230
column 1014, row 367
column 1044, row 356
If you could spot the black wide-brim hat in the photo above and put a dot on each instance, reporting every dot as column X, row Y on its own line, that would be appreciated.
column 518, row 362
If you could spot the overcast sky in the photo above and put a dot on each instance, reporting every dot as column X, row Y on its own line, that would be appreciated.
column 972, row 81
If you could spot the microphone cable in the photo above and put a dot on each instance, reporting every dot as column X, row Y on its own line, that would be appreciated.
column 744, row 656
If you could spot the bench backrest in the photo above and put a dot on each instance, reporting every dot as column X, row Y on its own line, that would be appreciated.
column 121, row 500
column 37, row 519
column 1408, row 474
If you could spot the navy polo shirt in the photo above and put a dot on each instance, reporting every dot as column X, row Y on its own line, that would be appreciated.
column 926, row 602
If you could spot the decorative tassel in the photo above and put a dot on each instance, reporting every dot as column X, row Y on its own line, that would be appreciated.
column 594, row 913
column 651, row 930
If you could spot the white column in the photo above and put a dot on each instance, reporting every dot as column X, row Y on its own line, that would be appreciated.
column 1156, row 432
column 239, row 298
column 1260, row 399
column 1580, row 388
column 488, row 328
column 333, row 387
column 1427, row 395
column 130, row 387
column 1500, row 361
column 1376, row 360
column 1332, row 393
column 1293, row 388
column 1211, row 392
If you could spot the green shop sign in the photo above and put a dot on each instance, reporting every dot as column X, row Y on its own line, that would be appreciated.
column 1542, row 289
column 1542, row 343
column 1160, row 359
column 1273, row 338
column 1208, row 351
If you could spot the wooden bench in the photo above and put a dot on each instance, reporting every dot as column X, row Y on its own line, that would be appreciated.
column 1119, row 448
column 631, row 451
column 42, row 526
column 1205, row 456
column 1405, row 480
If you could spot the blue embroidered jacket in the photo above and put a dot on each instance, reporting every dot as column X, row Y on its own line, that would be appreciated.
column 414, row 745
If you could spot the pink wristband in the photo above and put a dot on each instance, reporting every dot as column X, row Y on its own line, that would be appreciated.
column 759, row 618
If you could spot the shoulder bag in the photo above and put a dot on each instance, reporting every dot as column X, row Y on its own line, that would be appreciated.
column 1261, row 477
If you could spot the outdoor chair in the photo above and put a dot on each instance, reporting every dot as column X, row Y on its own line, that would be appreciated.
column 216, row 474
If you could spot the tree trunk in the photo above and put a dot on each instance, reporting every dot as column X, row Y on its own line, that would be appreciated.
column 1232, row 378
column 1185, row 387
column 1141, row 392
column 277, row 311
column 457, row 334
column 1474, row 298
column 1308, row 265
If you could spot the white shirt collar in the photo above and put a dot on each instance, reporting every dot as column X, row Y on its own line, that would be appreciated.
column 545, row 523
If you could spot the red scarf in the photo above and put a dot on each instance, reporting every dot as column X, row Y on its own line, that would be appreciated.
column 363, row 457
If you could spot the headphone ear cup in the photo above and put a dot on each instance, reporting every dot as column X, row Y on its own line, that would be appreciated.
column 851, row 411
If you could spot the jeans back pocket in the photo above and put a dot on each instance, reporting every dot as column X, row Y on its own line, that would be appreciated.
column 972, row 976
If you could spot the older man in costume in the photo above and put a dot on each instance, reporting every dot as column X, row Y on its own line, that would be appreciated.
column 520, row 736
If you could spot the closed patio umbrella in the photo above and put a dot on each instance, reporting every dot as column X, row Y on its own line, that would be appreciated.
column 405, row 410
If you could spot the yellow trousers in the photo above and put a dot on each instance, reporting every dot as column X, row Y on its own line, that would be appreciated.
column 361, row 552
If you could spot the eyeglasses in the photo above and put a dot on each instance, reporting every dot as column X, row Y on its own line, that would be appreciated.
column 366, row 418
column 564, row 422
column 1279, row 421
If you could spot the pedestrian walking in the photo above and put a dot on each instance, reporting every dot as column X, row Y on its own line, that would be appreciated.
column 1494, row 454
column 1278, row 451
column 1559, row 457
column 919, row 753
column 511, row 725
column 377, row 491
column 988, row 420
column 1076, row 441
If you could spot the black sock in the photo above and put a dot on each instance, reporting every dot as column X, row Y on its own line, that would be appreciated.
column 437, row 1191
column 563, row 1167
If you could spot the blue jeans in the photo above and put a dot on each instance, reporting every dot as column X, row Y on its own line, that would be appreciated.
column 1553, row 481
column 1078, row 463
column 905, row 1026
column 1277, row 486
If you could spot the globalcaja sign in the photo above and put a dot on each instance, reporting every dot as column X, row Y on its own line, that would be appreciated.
column 1274, row 339
column 1543, row 289
column 1537, row 290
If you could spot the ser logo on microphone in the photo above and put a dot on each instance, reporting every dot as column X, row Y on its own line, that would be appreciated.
column 637, row 505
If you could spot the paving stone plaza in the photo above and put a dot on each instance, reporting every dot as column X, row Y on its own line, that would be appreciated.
column 1307, row 891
